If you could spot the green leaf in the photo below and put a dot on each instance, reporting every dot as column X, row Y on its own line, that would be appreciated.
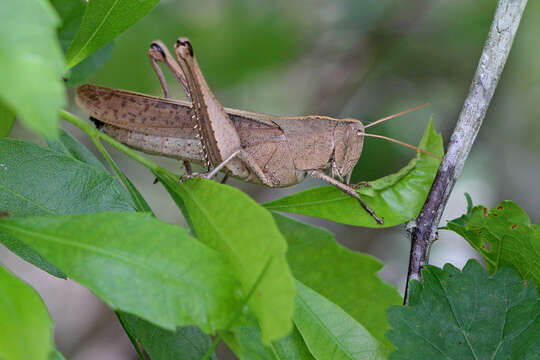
column 137, row 264
column 7, row 119
column 503, row 235
column 56, row 355
column 29, row 255
column 347, row 278
column 329, row 332
column 72, row 147
column 38, row 181
column 397, row 197
column 84, row 70
column 467, row 315
column 31, row 64
column 139, row 201
column 186, row 342
column 291, row 347
column 71, row 13
column 69, row 146
column 139, row 329
column 230, row 222
column 26, row 324
column 102, row 22
column 137, row 198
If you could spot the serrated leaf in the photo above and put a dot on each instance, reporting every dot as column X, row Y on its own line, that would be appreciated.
column 39, row 181
column 71, row 13
column 7, row 119
column 396, row 198
column 104, row 20
column 24, row 319
column 249, row 346
column 229, row 221
column 31, row 64
column 137, row 264
column 503, row 235
column 467, row 315
column 329, row 332
column 319, row 262
column 186, row 342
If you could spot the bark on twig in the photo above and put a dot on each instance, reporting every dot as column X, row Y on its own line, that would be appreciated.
column 423, row 230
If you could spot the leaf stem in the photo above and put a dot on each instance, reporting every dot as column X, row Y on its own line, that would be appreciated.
column 423, row 230
column 94, row 133
column 137, row 198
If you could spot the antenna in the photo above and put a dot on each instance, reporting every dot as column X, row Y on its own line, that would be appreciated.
column 402, row 143
column 396, row 115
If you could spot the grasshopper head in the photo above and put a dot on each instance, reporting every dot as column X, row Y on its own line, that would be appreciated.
column 348, row 143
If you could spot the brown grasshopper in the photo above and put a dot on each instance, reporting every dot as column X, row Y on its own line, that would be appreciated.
column 259, row 148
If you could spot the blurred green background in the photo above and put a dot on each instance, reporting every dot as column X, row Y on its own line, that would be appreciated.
column 342, row 58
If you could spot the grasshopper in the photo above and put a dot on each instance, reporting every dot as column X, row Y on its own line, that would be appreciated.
column 271, row 150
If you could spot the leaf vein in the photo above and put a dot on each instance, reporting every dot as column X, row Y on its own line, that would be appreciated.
column 95, row 32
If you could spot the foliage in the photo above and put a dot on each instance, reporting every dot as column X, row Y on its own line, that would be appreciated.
column 218, row 216
column 186, row 342
column 70, row 147
column 7, row 119
column 66, row 186
column 396, row 198
column 26, row 324
column 329, row 332
column 56, row 355
column 71, row 13
column 249, row 40
column 270, row 286
column 247, row 345
column 31, row 64
column 103, row 21
column 65, row 145
column 320, row 262
column 106, row 259
column 503, row 235
column 324, row 265
column 467, row 315
column 322, row 331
